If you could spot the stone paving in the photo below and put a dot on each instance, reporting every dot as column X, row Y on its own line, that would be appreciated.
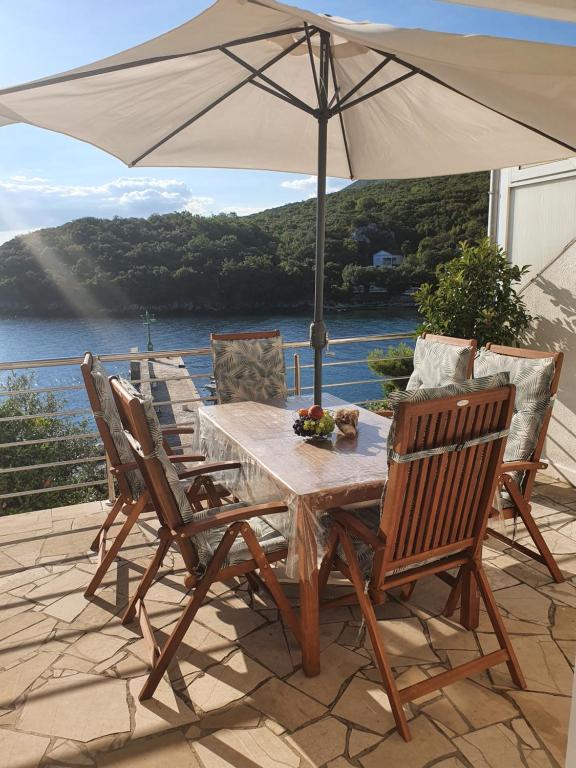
column 70, row 672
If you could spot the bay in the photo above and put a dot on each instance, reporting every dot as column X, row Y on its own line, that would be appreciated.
column 30, row 338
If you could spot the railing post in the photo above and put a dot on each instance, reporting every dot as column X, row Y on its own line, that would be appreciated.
column 297, row 389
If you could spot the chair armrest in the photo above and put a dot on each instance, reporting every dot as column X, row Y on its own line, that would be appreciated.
column 386, row 412
column 352, row 524
column 526, row 466
column 206, row 469
column 176, row 430
column 181, row 458
column 227, row 517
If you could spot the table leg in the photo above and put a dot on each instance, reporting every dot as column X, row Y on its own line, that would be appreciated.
column 309, row 598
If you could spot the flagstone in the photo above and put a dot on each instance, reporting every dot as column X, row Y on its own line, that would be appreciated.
column 548, row 715
column 18, row 623
column 238, row 715
column 226, row 682
column 542, row 662
column 525, row 603
column 80, row 707
column 19, row 750
column 338, row 664
column 427, row 745
column 564, row 627
column 360, row 741
column 63, row 584
column 478, row 705
column 522, row 729
column 320, row 742
column 448, row 634
column 443, row 712
column 514, row 626
column 405, row 642
column 67, row 661
column 491, row 747
column 70, row 754
column 498, row 578
column 561, row 593
column 16, row 680
column 366, row 704
column 269, row 645
column 96, row 646
column 22, row 577
column 163, row 712
column 171, row 749
column 229, row 617
column 285, row 704
column 248, row 748
column 537, row 758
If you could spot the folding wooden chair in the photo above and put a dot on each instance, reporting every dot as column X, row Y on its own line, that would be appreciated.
column 443, row 472
column 132, row 499
column 216, row 543
column 522, row 458
column 249, row 366
column 438, row 361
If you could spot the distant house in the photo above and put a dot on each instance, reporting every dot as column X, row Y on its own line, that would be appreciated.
column 386, row 259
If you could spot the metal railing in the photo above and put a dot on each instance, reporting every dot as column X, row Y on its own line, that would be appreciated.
column 194, row 357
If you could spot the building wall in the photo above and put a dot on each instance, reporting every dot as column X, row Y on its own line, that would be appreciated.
column 537, row 226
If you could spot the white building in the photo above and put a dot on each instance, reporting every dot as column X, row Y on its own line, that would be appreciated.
column 536, row 224
column 386, row 259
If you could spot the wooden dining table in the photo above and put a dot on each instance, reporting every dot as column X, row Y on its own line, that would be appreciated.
column 310, row 477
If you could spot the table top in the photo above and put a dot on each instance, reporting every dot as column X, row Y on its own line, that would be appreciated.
column 265, row 432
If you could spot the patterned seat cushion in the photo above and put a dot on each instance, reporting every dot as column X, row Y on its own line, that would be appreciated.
column 205, row 543
column 249, row 369
column 370, row 516
column 532, row 379
column 112, row 418
column 437, row 364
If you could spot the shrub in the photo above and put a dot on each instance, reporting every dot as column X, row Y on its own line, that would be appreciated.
column 394, row 361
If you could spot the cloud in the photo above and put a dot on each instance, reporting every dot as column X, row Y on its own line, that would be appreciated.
column 308, row 184
column 33, row 202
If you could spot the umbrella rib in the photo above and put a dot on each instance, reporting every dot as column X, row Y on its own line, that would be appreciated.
column 364, row 80
column 281, row 96
column 290, row 97
column 439, row 81
column 311, row 57
column 340, row 116
column 375, row 92
column 139, row 63
column 217, row 101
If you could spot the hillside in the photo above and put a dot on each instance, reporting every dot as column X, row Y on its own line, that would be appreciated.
column 181, row 261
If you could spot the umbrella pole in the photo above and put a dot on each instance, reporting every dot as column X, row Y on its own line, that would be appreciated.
column 318, row 328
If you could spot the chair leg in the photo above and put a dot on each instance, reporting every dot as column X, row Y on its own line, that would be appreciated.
column 269, row 578
column 171, row 645
column 525, row 513
column 469, row 604
column 407, row 590
column 149, row 575
column 453, row 598
column 377, row 644
column 499, row 628
column 110, row 556
column 107, row 524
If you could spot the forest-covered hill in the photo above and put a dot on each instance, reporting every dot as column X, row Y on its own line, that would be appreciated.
column 182, row 261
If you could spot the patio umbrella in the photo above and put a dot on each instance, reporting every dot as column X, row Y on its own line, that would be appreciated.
column 262, row 85
column 561, row 10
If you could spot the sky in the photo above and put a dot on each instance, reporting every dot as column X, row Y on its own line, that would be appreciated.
column 47, row 179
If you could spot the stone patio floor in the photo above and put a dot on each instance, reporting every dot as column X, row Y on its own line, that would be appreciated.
column 70, row 672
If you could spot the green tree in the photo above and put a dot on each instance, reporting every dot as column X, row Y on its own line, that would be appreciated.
column 33, row 404
column 475, row 297
column 395, row 363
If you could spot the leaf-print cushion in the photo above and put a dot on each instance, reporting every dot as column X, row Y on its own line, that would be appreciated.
column 532, row 379
column 437, row 364
column 205, row 543
column 249, row 369
column 111, row 416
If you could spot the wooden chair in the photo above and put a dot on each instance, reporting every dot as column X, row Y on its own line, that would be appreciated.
column 444, row 468
column 216, row 544
column 518, row 476
column 249, row 366
column 445, row 375
column 132, row 499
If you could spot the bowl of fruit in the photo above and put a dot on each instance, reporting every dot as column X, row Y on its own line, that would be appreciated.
column 314, row 424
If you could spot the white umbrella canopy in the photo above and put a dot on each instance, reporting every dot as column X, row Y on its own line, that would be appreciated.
column 258, row 84
column 560, row 10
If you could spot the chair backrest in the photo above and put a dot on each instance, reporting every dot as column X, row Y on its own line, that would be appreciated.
column 536, row 375
column 249, row 366
column 437, row 503
column 143, row 432
column 441, row 360
column 109, row 425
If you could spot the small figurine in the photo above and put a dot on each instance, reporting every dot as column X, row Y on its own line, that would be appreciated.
column 347, row 421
